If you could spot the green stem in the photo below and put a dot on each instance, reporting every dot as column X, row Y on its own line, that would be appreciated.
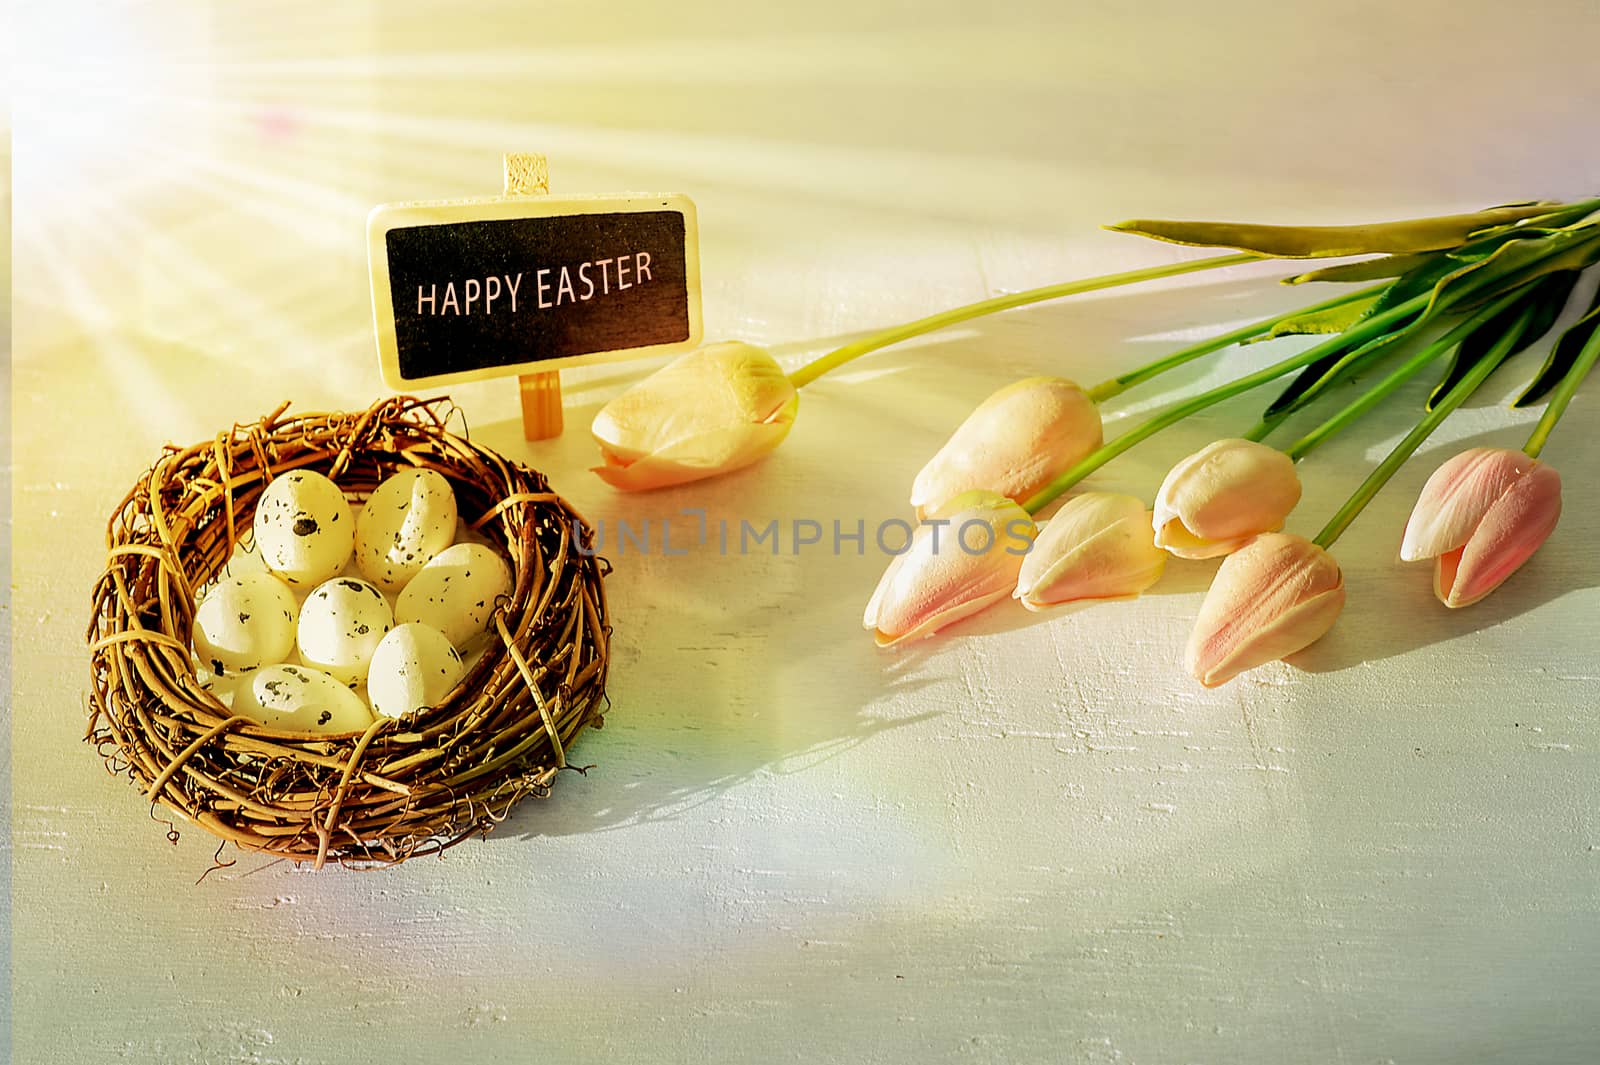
column 1121, row 383
column 882, row 339
column 1357, row 334
column 1266, row 426
column 1563, row 395
column 1424, row 428
column 1403, row 373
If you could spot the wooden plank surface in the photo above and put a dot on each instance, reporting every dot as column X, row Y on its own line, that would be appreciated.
column 1034, row 840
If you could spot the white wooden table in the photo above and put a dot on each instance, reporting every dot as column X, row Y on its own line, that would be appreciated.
column 1034, row 839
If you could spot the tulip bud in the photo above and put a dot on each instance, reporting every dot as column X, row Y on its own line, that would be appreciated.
column 709, row 411
column 1098, row 546
column 1222, row 495
column 1017, row 441
column 1274, row 596
column 962, row 557
column 1481, row 515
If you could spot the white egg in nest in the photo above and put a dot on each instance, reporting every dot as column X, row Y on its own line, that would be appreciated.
column 455, row 592
column 303, row 528
column 414, row 666
column 244, row 623
column 407, row 520
column 301, row 699
column 342, row 622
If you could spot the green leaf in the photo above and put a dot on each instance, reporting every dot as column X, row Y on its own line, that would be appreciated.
column 1563, row 355
column 1365, row 270
column 1531, row 316
column 1521, row 261
column 1331, row 320
column 1424, row 278
column 1318, row 376
column 1312, row 242
column 1561, row 217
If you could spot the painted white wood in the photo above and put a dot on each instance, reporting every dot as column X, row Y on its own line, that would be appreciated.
column 1034, row 839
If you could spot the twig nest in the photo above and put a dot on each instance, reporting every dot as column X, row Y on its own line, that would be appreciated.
column 450, row 764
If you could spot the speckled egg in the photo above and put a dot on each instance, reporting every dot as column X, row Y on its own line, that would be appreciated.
column 303, row 528
column 408, row 519
column 341, row 623
column 414, row 666
column 455, row 592
column 244, row 623
column 301, row 699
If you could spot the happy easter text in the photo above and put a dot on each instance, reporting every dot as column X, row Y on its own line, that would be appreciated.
column 545, row 288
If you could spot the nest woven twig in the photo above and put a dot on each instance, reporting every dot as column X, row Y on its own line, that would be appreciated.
column 403, row 787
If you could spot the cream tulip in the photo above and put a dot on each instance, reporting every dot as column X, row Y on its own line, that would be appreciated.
column 1481, row 516
column 709, row 411
column 1016, row 442
column 1277, row 594
column 1099, row 546
column 1215, row 500
column 962, row 558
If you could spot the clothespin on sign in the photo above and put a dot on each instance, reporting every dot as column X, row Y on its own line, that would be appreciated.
column 527, row 283
column 528, row 174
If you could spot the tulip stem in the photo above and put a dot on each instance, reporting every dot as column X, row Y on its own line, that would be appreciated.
column 1403, row 373
column 1355, row 335
column 882, row 339
column 1563, row 395
column 1424, row 428
column 1121, row 383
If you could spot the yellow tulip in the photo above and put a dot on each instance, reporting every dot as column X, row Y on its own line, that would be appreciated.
column 1218, row 498
column 1099, row 546
column 1015, row 443
column 1274, row 596
column 709, row 411
column 962, row 558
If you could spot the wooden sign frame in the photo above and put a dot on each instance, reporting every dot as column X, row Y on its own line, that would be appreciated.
column 525, row 185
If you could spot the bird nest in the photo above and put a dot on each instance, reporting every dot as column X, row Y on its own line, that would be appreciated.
column 403, row 787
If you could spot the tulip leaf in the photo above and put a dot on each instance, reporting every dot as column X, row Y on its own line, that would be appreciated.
column 1319, row 375
column 1422, row 279
column 1365, row 270
column 1453, row 284
column 1313, row 242
column 1563, row 216
column 1326, row 321
column 1531, row 317
column 1563, row 355
column 1522, row 261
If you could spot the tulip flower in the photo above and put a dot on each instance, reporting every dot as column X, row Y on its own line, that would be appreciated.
column 1277, row 594
column 726, row 405
column 1218, row 498
column 1099, row 546
column 712, row 410
column 962, row 558
column 1015, row 443
column 1481, row 516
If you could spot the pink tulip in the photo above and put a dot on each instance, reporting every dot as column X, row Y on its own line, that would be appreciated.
column 1218, row 498
column 1099, row 546
column 1015, row 443
column 963, row 557
column 1481, row 515
column 1274, row 596
column 709, row 411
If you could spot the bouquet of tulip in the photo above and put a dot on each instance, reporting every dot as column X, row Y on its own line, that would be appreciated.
column 1478, row 288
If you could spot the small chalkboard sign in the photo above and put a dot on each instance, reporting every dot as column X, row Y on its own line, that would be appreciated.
column 470, row 289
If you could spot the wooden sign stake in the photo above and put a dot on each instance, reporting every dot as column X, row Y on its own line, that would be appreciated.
column 528, row 174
